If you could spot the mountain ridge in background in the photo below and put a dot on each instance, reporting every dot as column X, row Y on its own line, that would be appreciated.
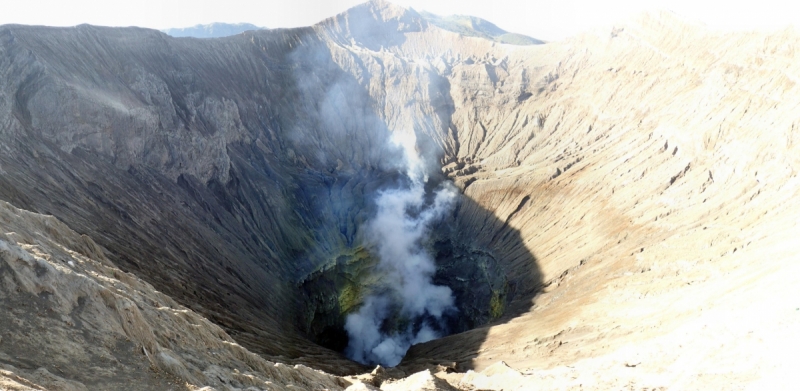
column 211, row 30
column 472, row 26
column 466, row 25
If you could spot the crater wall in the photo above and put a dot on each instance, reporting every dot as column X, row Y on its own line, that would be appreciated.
column 241, row 167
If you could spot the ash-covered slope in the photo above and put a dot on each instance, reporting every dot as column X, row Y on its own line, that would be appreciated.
column 642, row 177
column 74, row 321
column 135, row 139
column 662, row 174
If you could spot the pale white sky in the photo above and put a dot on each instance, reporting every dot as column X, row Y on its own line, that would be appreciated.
column 543, row 19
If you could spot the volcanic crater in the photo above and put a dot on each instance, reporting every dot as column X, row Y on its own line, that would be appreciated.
column 182, row 213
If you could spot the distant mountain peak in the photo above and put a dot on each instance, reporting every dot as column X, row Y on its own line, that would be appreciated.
column 211, row 30
column 384, row 5
column 380, row 20
column 473, row 26
column 381, row 10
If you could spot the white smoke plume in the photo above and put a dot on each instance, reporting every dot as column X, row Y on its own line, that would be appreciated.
column 396, row 235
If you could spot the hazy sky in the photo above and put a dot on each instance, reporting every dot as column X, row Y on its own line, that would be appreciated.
column 544, row 19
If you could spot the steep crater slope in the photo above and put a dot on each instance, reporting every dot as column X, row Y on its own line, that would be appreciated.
column 234, row 174
column 661, row 168
column 74, row 321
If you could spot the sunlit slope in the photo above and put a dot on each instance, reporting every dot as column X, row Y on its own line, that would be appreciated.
column 660, row 164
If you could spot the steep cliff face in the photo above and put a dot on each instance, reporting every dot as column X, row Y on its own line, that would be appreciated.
column 631, row 177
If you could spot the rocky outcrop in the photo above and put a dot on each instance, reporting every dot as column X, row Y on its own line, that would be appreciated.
column 639, row 180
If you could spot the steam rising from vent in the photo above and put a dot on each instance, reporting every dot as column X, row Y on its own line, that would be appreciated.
column 408, row 308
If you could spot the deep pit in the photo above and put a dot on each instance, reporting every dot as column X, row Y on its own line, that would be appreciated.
column 408, row 278
column 479, row 285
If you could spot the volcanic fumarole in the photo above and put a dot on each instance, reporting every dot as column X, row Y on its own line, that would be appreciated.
column 396, row 234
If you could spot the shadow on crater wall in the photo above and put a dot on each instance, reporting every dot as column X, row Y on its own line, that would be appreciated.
column 484, row 239
column 474, row 252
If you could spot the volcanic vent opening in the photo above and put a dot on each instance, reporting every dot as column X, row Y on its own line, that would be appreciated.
column 409, row 278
